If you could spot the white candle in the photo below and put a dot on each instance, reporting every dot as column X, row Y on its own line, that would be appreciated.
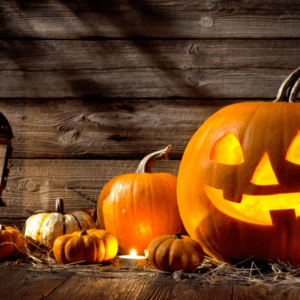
column 132, row 259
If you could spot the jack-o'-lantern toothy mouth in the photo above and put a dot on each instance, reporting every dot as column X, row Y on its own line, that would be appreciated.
column 255, row 207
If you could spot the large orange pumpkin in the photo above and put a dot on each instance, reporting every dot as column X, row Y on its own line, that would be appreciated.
column 138, row 207
column 239, row 180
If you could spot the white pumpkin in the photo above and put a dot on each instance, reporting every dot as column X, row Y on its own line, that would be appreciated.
column 44, row 228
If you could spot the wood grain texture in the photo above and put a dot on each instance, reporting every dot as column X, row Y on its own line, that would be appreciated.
column 264, row 292
column 244, row 83
column 35, row 184
column 103, row 129
column 105, row 55
column 150, row 19
column 208, row 69
column 136, row 286
column 18, row 283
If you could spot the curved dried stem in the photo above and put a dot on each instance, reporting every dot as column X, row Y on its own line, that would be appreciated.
column 146, row 163
column 294, row 91
column 286, row 88
column 83, row 233
column 59, row 206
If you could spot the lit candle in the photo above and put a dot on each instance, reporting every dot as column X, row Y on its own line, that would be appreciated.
column 132, row 259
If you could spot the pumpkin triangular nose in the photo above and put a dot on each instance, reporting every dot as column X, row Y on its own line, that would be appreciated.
column 264, row 174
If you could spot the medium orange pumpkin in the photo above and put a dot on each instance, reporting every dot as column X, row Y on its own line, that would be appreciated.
column 12, row 242
column 171, row 253
column 109, row 241
column 138, row 207
column 71, row 248
column 239, row 180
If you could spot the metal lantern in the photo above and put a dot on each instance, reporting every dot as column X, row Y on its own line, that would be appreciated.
column 6, row 150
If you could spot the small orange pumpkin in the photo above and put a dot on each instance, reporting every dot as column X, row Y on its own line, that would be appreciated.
column 71, row 248
column 12, row 242
column 171, row 253
column 138, row 207
column 109, row 241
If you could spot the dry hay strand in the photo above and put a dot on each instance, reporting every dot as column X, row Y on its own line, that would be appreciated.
column 248, row 272
column 209, row 272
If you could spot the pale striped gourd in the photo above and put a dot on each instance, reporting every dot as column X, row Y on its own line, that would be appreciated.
column 43, row 228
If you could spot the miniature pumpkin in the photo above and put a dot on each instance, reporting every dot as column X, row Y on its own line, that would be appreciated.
column 171, row 253
column 138, row 207
column 43, row 228
column 109, row 241
column 71, row 248
column 239, row 180
column 12, row 242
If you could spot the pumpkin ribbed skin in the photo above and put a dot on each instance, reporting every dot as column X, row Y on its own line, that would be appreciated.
column 13, row 236
column 171, row 253
column 109, row 241
column 71, row 248
column 44, row 228
column 227, row 234
column 138, row 207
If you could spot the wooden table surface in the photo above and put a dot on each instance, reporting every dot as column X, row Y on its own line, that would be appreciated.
column 27, row 281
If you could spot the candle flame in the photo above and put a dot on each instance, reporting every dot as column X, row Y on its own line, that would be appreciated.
column 133, row 252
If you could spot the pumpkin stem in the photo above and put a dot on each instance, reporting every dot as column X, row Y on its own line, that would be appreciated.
column 177, row 236
column 294, row 91
column 59, row 206
column 289, row 88
column 146, row 162
column 83, row 233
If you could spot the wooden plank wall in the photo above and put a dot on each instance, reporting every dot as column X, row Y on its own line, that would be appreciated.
column 91, row 87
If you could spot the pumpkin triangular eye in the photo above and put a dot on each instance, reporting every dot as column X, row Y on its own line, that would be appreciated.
column 227, row 150
column 264, row 174
column 293, row 152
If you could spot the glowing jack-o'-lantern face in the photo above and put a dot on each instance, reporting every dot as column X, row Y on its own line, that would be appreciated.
column 227, row 150
column 239, row 182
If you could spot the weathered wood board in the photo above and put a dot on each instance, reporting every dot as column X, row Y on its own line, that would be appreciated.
column 150, row 19
column 121, row 54
column 103, row 129
column 144, row 83
column 22, row 281
column 35, row 184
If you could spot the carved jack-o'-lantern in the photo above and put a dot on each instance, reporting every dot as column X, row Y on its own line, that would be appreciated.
column 239, row 180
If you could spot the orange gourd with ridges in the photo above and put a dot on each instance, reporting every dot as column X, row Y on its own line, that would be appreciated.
column 138, row 207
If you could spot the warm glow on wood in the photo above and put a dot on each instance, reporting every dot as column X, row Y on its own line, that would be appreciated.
column 264, row 174
column 227, row 150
